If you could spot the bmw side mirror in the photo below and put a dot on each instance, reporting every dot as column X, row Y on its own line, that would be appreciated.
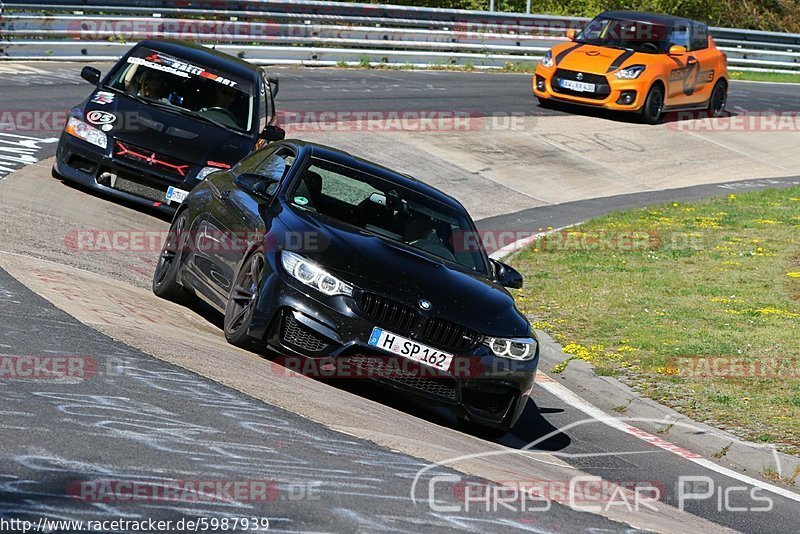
column 506, row 275
column 256, row 185
column 677, row 50
column 572, row 33
column 91, row 75
column 272, row 133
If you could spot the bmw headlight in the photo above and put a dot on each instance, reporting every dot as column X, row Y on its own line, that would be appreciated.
column 88, row 133
column 521, row 349
column 630, row 73
column 312, row 275
column 547, row 60
column 205, row 171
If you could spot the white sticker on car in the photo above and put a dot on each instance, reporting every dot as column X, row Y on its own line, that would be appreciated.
column 176, row 195
column 101, row 117
column 103, row 98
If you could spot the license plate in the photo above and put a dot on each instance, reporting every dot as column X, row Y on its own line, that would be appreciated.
column 176, row 195
column 578, row 86
column 412, row 350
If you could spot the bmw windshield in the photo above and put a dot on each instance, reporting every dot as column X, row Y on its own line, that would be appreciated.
column 629, row 35
column 390, row 211
column 160, row 79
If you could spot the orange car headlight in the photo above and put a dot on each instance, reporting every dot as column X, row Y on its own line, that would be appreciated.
column 547, row 60
column 630, row 73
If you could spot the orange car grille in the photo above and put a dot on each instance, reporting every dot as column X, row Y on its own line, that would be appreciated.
column 602, row 89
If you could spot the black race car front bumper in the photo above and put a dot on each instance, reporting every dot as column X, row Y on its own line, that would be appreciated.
column 327, row 337
column 93, row 167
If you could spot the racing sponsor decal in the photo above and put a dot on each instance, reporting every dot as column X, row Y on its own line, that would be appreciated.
column 101, row 118
column 690, row 76
column 180, row 68
column 103, row 98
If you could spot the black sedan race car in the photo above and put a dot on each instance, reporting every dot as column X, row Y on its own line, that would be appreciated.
column 166, row 116
column 324, row 257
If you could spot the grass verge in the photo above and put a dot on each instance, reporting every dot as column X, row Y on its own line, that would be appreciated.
column 774, row 77
column 691, row 304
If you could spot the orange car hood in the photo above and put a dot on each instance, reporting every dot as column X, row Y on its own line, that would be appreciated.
column 590, row 58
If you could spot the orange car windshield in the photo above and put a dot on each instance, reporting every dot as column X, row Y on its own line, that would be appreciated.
column 630, row 35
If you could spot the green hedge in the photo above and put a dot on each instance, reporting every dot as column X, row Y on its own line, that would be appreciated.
column 771, row 15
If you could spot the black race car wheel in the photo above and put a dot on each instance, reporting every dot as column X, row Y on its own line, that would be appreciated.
column 165, row 278
column 653, row 108
column 242, row 302
column 718, row 100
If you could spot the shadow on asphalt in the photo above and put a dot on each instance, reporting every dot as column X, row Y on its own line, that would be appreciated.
column 628, row 118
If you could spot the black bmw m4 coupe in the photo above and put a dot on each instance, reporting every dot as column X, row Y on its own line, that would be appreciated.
column 323, row 257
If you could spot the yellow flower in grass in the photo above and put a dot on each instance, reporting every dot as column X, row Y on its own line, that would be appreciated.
column 793, row 275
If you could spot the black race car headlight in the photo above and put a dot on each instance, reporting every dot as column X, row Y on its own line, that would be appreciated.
column 521, row 349
column 630, row 73
column 312, row 275
column 205, row 171
column 88, row 133
column 547, row 60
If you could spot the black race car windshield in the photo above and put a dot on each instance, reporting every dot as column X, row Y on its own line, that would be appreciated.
column 188, row 88
column 390, row 211
column 629, row 35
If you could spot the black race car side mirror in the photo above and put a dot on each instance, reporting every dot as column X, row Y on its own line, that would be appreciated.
column 91, row 75
column 273, row 133
column 507, row 276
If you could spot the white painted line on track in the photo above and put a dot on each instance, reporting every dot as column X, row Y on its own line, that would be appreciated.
column 572, row 399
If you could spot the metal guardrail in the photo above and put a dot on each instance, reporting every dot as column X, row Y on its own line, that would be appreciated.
column 312, row 32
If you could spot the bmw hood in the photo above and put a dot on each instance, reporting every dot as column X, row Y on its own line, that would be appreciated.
column 192, row 140
column 378, row 265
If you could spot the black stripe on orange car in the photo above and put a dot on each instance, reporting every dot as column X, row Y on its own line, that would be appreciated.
column 565, row 53
column 622, row 58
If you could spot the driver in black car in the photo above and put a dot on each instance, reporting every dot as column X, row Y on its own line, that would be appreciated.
column 151, row 85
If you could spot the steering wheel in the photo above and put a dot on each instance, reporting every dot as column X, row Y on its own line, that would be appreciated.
column 218, row 109
column 651, row 47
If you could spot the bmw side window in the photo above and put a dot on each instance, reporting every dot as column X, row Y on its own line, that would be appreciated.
column 275, row 168
column 699, row 37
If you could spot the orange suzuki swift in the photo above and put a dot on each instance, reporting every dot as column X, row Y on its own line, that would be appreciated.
column 637, row 62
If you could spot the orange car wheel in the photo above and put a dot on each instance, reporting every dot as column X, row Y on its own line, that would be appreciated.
column 718, row 100
column 653, row 107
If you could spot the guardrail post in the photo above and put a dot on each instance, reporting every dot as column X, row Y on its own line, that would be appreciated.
column 491, row 5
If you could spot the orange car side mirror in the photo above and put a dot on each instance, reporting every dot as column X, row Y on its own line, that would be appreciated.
column 572, row 34
column 677, row 50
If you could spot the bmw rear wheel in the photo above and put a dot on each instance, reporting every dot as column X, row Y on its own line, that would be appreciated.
column 242, row 302
column 653, row 107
